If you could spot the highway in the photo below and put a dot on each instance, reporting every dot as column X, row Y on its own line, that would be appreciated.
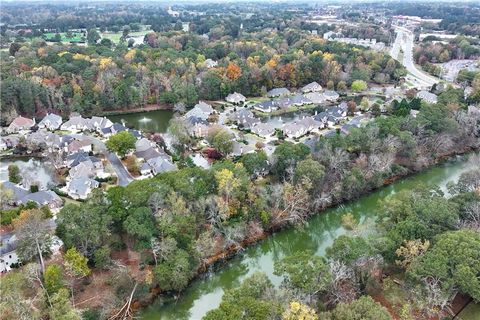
column 404, row 43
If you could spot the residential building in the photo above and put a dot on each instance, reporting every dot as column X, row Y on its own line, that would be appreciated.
column 331, row 95
column 81, row 187
column 277, row 92
column 236, row 98
column 161, row 164
column 294, row 130
column 84, row 145
column 266, row 106
column 8, row 253
column 17, row 192
column 43, row 198
column 312, row 87
column 201, row 110
column 427, row 96
column 316, row 97
column 75, row 123
column 264, row 130
column 50, row 122
column 20, row 124
column 209, row 63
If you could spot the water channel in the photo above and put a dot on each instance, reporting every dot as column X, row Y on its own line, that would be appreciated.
column 205, row 293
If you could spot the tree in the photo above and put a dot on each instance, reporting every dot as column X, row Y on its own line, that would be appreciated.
column 33, row 235
column 53, row 279
column 286, row 156
column 364, row 308
column 255, row 162
column 101, row 257
column 14, row 174
column 453, row 260
column 411, row 250
column 95, row 223
column 221, row 140
column 76, row 263
column 92, row 36
column 310, row 169
column 299, row 311
column 251, row 300
column 359, row 85
column 304, row 273
column 349, row 249
column 121, row 143
column 141, row 225
column 175, row 272
column 233, row 72
column 177, row 128
column 62, row 309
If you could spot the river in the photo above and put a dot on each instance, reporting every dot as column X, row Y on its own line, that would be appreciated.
column 149, row 121
column 205, row 293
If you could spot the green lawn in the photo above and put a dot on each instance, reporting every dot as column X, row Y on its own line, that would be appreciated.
column 115, row 36
column 75, row 37
column 471, row 312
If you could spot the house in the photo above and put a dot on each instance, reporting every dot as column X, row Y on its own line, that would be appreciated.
column 316, row 97
column 284, row 103
column 84, row 145
column 236, row 98
column 266, row 106
column 145, row 169
column 241, row 148
column 264, row 130
column 8, row 254
column 50, row 122
column 200, row 161
column 81, row 187
column 209, row 63
column 244, row 118
column 294, row 130
column 20, row 124
column 3, row 144
column 53, row 140
column 299, row 100
column 99, row 123
column 143, row 144
column 201, row 110
column 310, row 124
column 147, row 154
column 14, row 190
column 74, row 159
column 277, row 92
column 312, row 87
column 198, row 127
column 38, row 139
column 161, row 164
column 331, row 95
column 427, row 96
column 117, row 127
column 75, row 123
column 83, row 169
column 43, row 198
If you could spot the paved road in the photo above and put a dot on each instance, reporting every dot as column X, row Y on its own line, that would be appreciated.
column 124, row 177
column 404, row 42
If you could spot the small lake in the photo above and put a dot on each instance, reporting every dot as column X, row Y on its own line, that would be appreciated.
column 149, row 121
column 32, row 170
column 206, row 293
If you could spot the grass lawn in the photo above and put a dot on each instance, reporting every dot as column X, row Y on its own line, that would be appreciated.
column 471, row 312
column 75, row 37
column 115, row 36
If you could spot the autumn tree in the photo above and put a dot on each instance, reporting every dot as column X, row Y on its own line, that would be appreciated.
column 121, row 143
column 33, row 235
column 233, row 71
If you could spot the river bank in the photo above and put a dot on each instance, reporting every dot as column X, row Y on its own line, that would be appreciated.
column 147, row 108
column 168, row 307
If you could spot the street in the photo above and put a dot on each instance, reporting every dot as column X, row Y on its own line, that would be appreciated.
column 404, row 42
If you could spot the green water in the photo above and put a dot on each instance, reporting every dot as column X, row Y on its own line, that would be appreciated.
column 151, row 121
column 205, row 294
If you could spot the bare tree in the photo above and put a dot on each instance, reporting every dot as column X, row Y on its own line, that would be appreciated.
column 33, row 234
column 344, row 286
column 436, row 300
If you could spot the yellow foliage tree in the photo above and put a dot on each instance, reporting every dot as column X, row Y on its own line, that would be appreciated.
column 410, row 250
column 299, row 311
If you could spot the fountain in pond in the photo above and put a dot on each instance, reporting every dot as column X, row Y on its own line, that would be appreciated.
column 145, row 119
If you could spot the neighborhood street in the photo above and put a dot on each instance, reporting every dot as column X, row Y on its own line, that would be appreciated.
column 404, row 42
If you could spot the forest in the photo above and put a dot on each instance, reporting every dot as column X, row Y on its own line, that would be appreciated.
column 178, row 222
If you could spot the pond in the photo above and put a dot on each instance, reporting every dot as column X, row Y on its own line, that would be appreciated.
column 206, row 293
column 32, row 170
column 149, row 121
